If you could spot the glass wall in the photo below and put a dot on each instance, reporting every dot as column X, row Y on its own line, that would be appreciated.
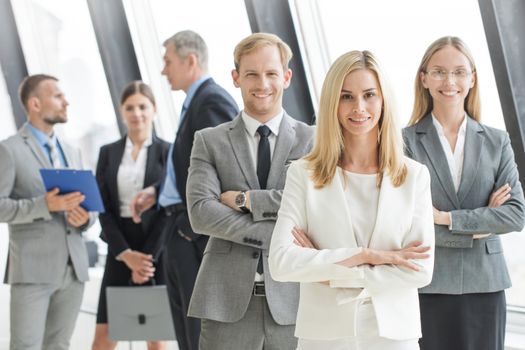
column 398, row 32
column 58, row 38
column 8, row 128
column 222, row 24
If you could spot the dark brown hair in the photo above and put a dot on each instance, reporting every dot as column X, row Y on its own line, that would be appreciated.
column 137, row 87
column 29, row 86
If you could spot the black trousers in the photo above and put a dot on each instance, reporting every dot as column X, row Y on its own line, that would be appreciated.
column 181, row 263
column 463, row 322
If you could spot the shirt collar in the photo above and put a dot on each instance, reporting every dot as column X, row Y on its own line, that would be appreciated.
column 42, row 137
column 146, row 143
column 439, row 127
column 251, row 124
column 193, row 89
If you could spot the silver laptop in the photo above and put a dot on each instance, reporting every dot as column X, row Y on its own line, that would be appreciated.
column 139, row 313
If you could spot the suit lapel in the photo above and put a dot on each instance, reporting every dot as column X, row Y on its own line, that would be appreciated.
column 473, row 150
column 283, row 145
column 193, row 103
column 336, row 191
column 430, row 140
column 69, row 156
column 152, row 157
column 35, row 148
column 239, row 142
column 115, row 158
column 384, row 210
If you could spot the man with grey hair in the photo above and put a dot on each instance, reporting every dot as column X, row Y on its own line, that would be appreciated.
column 206, row 104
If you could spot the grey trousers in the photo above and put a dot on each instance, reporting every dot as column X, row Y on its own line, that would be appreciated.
column 43, row 316
column 255, row 331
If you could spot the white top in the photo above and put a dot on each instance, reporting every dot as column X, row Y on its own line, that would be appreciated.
column 454, row 156
column 362, row 196
column 251, row 125
column 327, row 312
column 130, row 176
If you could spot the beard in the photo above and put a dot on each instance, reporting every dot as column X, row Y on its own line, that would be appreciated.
column 56, row 119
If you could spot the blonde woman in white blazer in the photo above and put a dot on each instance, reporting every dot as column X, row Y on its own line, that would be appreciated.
column 355, row 226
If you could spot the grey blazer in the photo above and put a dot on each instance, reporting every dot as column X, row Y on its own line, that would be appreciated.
column 463, row 264
column 220, row 161
column 39, row 241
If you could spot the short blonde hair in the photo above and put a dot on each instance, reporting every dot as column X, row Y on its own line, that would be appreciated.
column 423, row 103
column 257, row 40
column 329, row 143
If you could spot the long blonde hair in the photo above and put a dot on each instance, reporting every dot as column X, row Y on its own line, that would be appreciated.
column 329, row 144
column 423, row 101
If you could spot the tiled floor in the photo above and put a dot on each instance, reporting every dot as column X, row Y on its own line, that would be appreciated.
column 85, row 327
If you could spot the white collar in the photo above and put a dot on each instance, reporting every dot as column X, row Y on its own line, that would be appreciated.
column 147, row 143
column 251, row 124
column 439, row 127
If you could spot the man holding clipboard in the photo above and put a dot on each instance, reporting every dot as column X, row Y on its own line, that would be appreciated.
column 48, row 262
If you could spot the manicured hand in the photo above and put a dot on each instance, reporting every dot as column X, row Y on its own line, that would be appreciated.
column 500, row 196
column 301, row 238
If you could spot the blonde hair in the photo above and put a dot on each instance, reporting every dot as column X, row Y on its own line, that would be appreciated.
column 329, row 144
column 423, row 104
column 257, row 40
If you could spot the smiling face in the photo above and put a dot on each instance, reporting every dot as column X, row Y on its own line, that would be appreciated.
column 138, row 112
column 360, row 104
column 453, row 89
column 262, row 80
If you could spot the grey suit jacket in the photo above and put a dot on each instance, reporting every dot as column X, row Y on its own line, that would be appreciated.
column 39, row 241
column 464, row 265
column 220, row 161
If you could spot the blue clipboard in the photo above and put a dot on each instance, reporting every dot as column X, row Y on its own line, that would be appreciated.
column 70, row 180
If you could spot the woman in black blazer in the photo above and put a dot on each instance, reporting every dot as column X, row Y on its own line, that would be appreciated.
column 124, row 167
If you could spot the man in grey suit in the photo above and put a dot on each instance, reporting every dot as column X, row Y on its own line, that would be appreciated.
column 237, row 173
column 48, row 261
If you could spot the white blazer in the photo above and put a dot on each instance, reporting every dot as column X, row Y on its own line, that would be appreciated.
column 404, row 215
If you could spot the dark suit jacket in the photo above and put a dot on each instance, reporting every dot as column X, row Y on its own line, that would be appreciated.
column 210, row 106
column 109, row 161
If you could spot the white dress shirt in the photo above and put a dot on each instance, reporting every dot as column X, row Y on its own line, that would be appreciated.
column 251, row 125
column 454, row 156
column 130, row 176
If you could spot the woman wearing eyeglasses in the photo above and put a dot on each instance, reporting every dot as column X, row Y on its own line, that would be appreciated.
column 476, row 196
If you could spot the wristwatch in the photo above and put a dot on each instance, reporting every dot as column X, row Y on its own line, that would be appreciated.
column 240, row 202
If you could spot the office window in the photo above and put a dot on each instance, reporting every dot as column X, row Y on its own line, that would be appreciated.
column 7, row 119
column 58, row 38
column 221, row 24
column 8, row 128
column 398, row 33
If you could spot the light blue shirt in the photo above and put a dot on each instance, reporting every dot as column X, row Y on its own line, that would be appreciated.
column 42, row 140
column 169, row 194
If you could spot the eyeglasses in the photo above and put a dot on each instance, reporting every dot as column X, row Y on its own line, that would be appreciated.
column 440, row 74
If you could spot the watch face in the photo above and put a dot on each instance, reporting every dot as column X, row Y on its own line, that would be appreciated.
column 240, row 199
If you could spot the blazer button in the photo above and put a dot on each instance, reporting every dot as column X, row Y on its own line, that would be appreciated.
column 255, row 255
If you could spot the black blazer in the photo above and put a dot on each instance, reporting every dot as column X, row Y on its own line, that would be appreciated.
column 108, row 164
column 210, row 106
